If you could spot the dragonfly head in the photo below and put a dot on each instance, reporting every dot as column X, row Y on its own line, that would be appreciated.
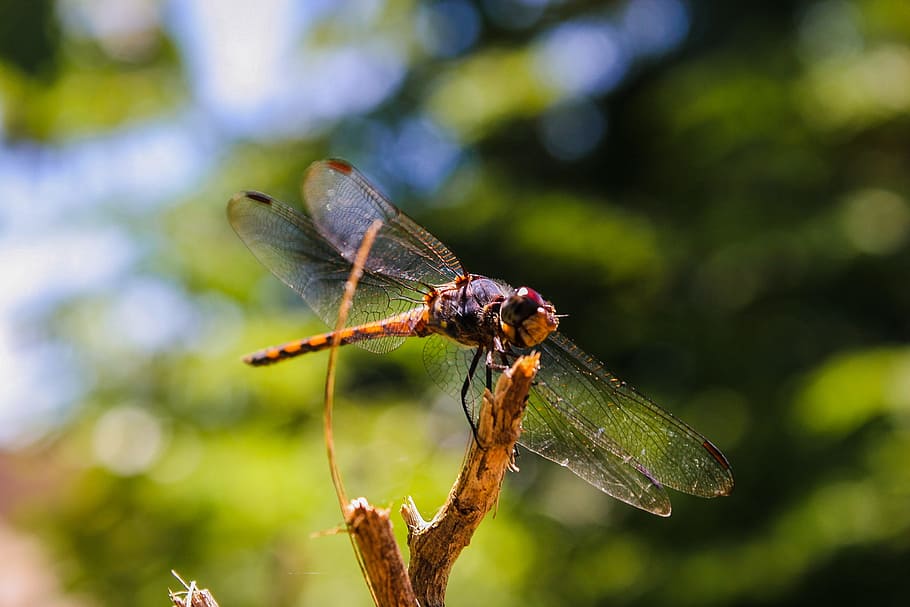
column 526, row 319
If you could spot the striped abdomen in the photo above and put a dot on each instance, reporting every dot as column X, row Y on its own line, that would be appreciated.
column 407, row 324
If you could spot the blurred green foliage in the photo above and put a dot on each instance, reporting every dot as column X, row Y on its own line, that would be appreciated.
column 736, row 246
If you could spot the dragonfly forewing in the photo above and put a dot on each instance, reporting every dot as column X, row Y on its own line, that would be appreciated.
column 287, row 242
column 612, row 413
column 343, row 205
column 548, row 432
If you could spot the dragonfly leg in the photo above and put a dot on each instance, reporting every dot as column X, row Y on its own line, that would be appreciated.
column 513, row 463
column 466, row 386
column 492, row 365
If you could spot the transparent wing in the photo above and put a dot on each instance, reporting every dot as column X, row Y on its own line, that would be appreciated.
column 287, row 242
column 448, row 362
column 550, row 432
column 618, row 420
column 343, row 204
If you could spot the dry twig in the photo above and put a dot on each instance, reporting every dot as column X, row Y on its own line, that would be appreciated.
column 193, row 596
column 379, row 554
column 436, row 544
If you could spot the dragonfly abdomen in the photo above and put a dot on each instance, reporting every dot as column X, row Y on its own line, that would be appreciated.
column 408, row 324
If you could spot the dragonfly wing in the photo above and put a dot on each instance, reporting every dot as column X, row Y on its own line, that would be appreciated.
column 616, row 419
column 343, row 205
column 548, row 432
column 448, row 363
column 545, row 431
column 288, row 243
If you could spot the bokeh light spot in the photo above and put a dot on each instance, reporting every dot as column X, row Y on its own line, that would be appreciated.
column 829, row 29
column 582, row 57
column 876, row 221
column 448, row 28
column 572, row 130
column 127, row 440
column 152, row 315
column 653, row 27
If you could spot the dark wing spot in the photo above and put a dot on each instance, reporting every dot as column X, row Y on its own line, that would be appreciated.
column 342, row 166
column 259, row 197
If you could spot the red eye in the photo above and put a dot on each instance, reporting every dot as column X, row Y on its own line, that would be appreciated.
column 530, row 294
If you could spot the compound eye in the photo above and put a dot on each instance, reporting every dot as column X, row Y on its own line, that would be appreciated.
column 520, row 306
column 530, row 294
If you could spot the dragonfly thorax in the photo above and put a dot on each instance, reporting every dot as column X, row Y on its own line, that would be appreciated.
column 467, row 310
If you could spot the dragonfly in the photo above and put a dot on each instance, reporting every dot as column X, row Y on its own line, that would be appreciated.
column 579, row 414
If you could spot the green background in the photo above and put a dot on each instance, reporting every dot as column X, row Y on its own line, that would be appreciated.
column 720, row 208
